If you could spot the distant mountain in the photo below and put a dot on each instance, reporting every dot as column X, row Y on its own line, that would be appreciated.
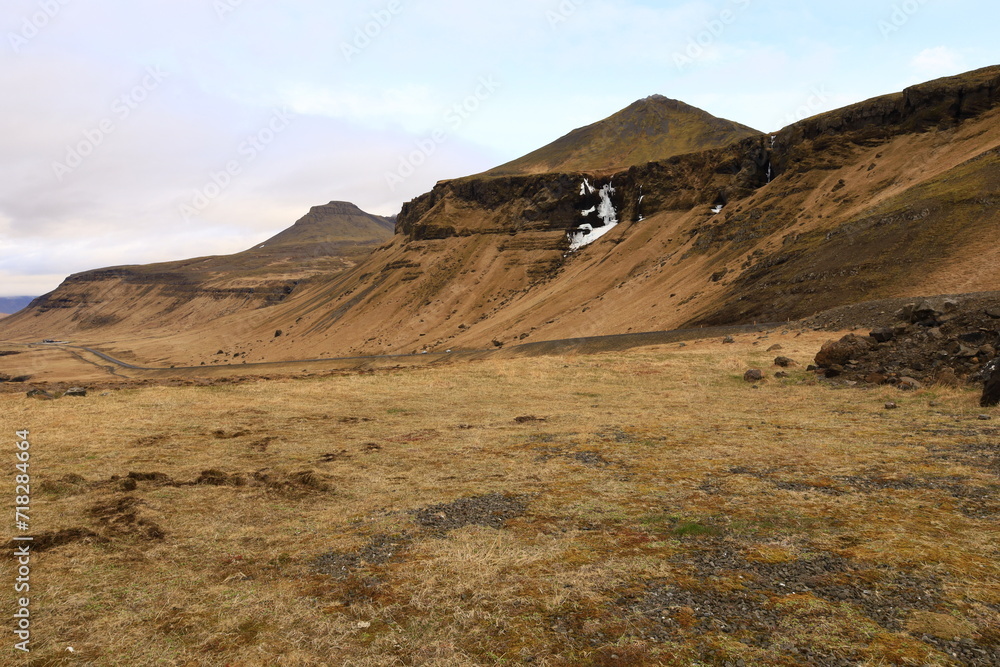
column 655, row 128
column 173, row 296
column 12, row 304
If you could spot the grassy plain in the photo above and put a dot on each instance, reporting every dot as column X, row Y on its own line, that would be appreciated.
column 646, row 507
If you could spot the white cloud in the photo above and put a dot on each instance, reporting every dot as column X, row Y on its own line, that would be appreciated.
column 19, row 284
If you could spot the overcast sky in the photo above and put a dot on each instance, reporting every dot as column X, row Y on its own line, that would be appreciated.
column 135, row 131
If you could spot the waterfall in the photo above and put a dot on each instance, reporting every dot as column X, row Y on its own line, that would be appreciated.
column 771, row 152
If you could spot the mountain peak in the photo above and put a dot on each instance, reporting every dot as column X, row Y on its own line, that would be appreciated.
column 338, row 208
column 653, row 128
column 335, row 222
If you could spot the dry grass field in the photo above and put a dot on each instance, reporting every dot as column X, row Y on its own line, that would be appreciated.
column 637, row 508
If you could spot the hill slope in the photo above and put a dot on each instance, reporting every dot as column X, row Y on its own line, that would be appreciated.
column 655, row 128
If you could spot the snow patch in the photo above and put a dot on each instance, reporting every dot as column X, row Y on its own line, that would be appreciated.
column 586, row 188
column 587, row 234
column 589, row 211
column 718, row 209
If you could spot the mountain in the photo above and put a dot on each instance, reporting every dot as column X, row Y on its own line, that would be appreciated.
column 12, row 304
column 182, row 296
column 891, row 197
column 655, row 128
column 896, row 196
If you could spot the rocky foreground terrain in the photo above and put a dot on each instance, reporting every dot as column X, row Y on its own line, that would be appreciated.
column 950, row 340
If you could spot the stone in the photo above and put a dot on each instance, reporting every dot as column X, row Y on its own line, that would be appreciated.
column 41, row 395
column 905, row 314
column 775, row 348
column 781, row 375
column 991, row 390
column 961, row 350
column 728, row 340
column 784, row 362
column 973, row 337
column 891, row 406
column 926, row 314
column 985, row 418
column 79, row 392
column 876, row 378
column 993, row 312
column 753, row 375
column 883, row 335
column 840, row 352
column 909, row 384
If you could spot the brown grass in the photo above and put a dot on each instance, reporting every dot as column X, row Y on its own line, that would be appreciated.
column 642, row 469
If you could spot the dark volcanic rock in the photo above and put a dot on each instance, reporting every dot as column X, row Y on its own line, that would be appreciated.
column 991, row 392
column 491, row 510
column 753, row 375
column 883, row 335
column 41, row 394
column 838, row 353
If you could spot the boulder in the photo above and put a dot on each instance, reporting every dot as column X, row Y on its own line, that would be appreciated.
column 884, row 335
column 775, row 348
column 840, row 352
column 753, row 375
column 926, row 314
column 728, row 340
column 784, row 362
column 991, row 390
column 79, row 392
column 909, row 384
